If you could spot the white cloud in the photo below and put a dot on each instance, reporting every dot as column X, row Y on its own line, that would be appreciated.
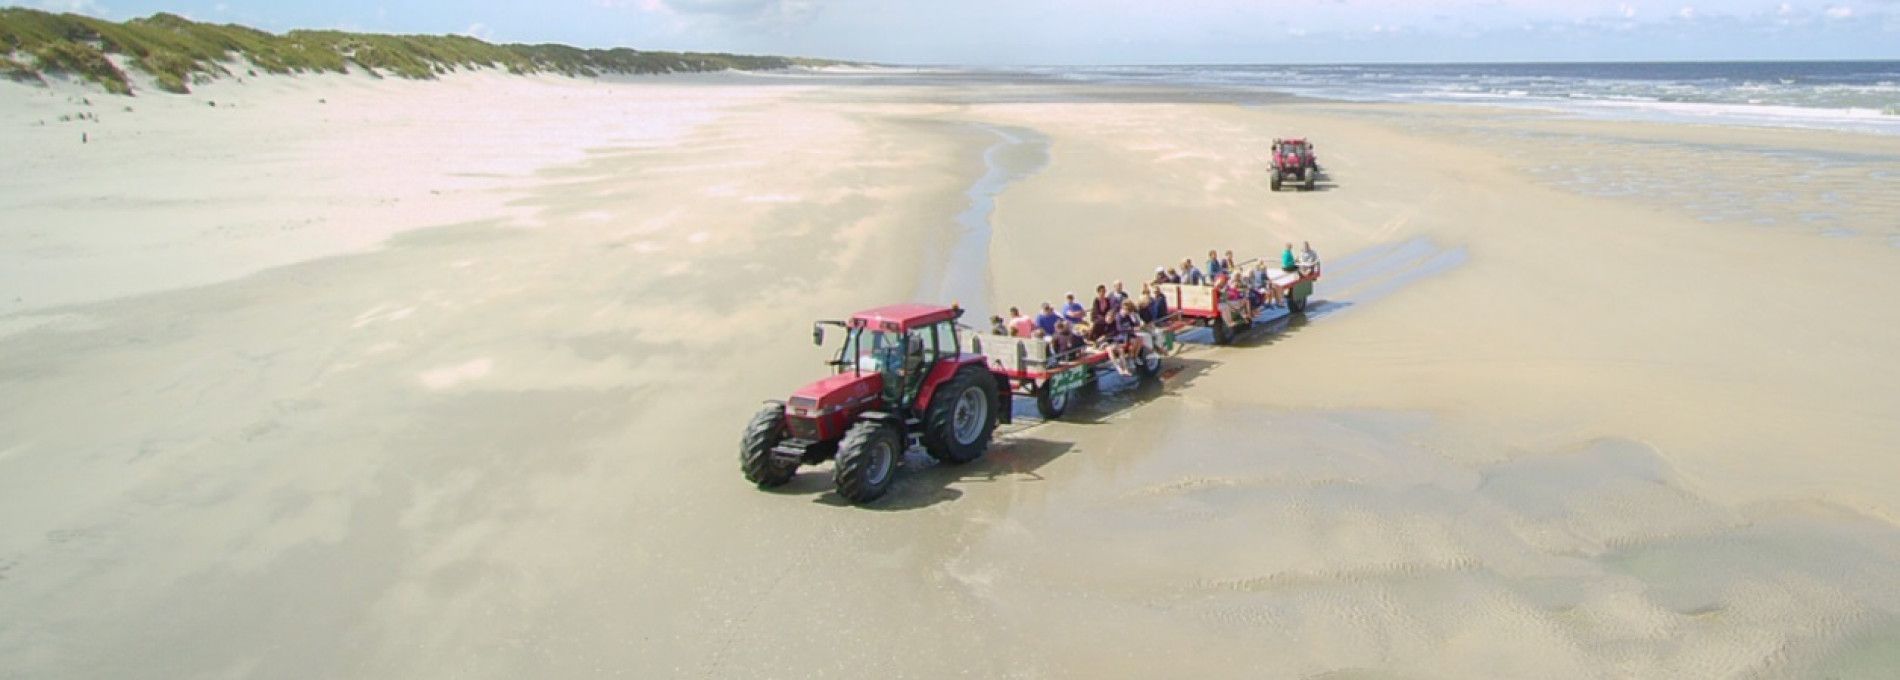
column 1687, row 12
column 478, row 31
column 1627, row 10
column 74, row 6
column 1839, row 11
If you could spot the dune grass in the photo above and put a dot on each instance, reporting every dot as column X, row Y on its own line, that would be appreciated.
column 178, row 52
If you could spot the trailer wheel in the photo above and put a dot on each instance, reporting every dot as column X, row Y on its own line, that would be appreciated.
column 1149, row 365
column 1050, row 403
column 867, row 461
column 765, row 431
column 1222, row 333
column 962, row 416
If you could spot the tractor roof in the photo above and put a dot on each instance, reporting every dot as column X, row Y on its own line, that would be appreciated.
column 1293, row 140
column 903, row 317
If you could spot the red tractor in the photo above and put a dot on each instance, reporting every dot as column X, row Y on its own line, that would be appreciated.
column 900, row 380
column 1294, row 161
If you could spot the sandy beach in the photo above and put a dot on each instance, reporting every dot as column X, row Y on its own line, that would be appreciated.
column 345, row 378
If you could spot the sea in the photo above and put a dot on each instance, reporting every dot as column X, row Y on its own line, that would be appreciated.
column 1853, row 95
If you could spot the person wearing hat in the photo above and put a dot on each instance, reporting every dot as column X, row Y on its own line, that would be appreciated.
column 1161, row 275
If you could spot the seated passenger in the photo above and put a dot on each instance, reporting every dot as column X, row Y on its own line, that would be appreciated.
column 1189, row 275
column 1287, row 261
column 1123, row 342
column 1101, row 311
column 1074, row 311
column 1308, row 261
column 1161, row 275
column 1173, row 276
column 1065, row 344
column 997, row 327
column 1158, row 310
column 1046, row 321
column 1214, row 265
column 1019, row 325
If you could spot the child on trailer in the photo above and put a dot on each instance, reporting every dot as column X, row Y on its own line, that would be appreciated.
column 1123, row 343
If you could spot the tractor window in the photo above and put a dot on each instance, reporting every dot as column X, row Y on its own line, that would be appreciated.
column 940, row 341
column 875, row 351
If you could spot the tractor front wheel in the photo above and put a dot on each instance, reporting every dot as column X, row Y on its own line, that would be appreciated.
column 1276, row 179
column 962, row 416
column 1312, row 177
column 765, row 431
column 867, row 461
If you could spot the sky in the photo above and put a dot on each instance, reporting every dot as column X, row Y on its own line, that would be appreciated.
column 1052, row 32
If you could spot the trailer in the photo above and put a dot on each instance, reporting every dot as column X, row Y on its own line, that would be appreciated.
column 1206, row 306
column 1032, row 370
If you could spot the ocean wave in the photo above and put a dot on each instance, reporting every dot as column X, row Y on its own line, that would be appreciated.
column 1862, row 96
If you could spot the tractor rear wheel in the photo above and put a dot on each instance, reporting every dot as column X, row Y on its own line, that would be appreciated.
column 765, row 431
column 867, row 461
column 1296, row 304
column 962, row 415
column 1051, row 404
column 1312, row 177
column 1222, row 333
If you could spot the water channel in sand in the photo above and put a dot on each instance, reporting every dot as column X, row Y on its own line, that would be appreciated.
column 962, row 275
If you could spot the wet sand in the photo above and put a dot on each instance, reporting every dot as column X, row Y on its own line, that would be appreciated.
column 1528, row 430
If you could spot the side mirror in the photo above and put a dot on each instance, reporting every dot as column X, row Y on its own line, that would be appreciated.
column 818, row 335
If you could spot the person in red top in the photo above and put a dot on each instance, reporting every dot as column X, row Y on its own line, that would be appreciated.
column 1101, row 313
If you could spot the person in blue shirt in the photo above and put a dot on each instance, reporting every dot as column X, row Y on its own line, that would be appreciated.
column 1287, row 261
column 1189, row 275
column 1047, row 320
column 1215, row 267
column 1073, row 310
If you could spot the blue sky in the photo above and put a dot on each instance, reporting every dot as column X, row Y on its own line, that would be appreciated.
column 1114, row 31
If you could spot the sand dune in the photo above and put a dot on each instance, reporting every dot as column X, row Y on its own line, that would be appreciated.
column 272, row 406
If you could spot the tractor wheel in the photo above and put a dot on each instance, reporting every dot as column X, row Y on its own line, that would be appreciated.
column 1276, row 179
column 1051, row 404
column 1222, row 333
column 961, row 417
column 765, row 431
column 1149, row 364
column 1312, row 177
column 1296, row 305
column 867, row 461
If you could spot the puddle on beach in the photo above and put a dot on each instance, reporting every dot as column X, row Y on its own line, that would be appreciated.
column 1302, row 542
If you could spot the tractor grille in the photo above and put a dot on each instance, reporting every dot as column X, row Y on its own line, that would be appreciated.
column 804, row 428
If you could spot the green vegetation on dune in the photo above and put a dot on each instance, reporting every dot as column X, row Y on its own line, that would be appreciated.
column 178, row 52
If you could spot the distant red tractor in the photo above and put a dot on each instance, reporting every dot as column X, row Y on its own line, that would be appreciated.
column 1294, row 161
column 900, row 380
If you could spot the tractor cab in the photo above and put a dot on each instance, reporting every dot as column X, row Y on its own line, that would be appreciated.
column 900, row 344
